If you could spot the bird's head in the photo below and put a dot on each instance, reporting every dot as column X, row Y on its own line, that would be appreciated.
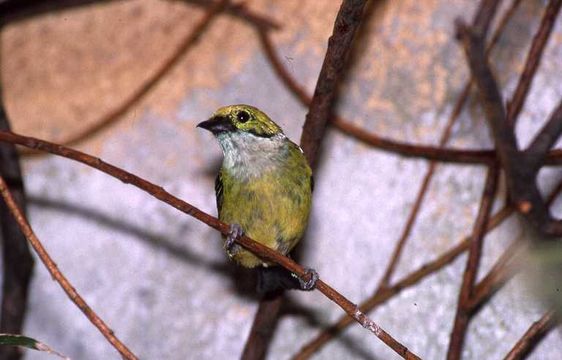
column 240, row 119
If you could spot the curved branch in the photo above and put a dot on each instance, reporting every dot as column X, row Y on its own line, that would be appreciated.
column 170, row 62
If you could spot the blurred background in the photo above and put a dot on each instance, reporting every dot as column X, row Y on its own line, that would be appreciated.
column 159, row 278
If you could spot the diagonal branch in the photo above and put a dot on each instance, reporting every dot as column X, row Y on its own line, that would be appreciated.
column 504, row 268
column 547, row 136
column 263, row 326
column 532, row 337
column 51, row 266
column 484, row 289
column 532, row 62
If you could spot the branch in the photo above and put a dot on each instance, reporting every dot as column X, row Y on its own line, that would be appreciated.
column 463, row 313
column 547, row 136
column 345, row 126
column 385, row 284
column 258, row 249
column 520, row 170
column 502, row 270
column 484, row 289
column 532, row 337
column 322, row 104
column 484, row 15
column 58, row 276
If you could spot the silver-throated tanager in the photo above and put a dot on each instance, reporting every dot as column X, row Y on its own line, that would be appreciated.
column 263, row 190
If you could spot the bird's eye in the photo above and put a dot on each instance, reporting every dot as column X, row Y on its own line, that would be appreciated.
column 243, row 116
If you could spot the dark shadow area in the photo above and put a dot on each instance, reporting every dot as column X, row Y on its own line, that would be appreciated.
column 155, row 240
column 17, row 264
column 244, row 280
column 12, row 10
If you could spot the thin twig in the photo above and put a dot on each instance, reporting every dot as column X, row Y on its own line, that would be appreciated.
column 463, row 313
column 258, row 249
column 404, row 149
column 59, row 277
column 413, row 215
column 170, row 62
column 532, row 337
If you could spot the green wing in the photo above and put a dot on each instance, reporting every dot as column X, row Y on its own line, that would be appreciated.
column 218, row 191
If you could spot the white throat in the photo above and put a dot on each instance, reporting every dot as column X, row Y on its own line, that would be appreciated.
column 247, row 155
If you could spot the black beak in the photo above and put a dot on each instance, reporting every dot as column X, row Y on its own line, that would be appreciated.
column 217, row 124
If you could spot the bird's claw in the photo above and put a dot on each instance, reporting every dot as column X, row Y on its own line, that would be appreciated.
column 312, row 275
column 234, row 233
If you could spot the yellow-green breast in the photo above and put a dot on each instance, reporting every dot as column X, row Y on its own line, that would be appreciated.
column 271, row 203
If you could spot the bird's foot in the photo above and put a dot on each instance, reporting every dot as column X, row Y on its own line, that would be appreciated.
column 312, row 275
column 234, row 233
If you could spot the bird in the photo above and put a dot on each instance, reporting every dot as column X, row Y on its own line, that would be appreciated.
column 263, row 190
